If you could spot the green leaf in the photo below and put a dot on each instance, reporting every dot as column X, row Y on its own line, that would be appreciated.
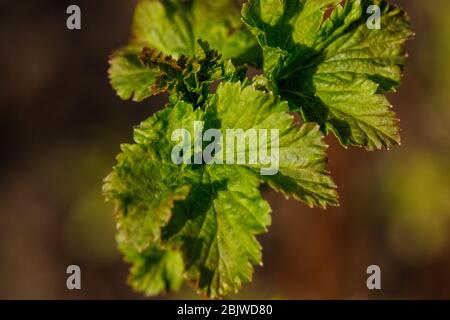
column 215, row 210
column 219, row 23
column 145, row 183
column 154, row 271
column 301, row 150
column 172, row 27
column 209, row 213
column 163, row 25
column 349, row 105
column 198, row 220
column 284, row 29
column 216, row 227
column 333, row 71
column 128, row 76
column 144, row 191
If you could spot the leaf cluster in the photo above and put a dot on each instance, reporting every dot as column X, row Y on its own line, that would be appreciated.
column 199, row 222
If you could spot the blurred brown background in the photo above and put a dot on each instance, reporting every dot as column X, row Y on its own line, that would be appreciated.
column 61, row 125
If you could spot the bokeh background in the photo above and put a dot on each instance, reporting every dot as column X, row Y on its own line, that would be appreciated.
column 61, row 126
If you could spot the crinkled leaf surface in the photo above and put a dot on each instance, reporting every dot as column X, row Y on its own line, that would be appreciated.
column 222, row 210
column 301, row 150
column 334, row 69
column 145, row 183
column 154, row 270
column 211, row 213
column 128, row 76
column 216, row 227
column 189, row 78
column 173, row 27
column 199, row 222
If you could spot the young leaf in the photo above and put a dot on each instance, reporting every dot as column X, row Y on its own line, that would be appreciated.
column 219, row 23
column 144, row 191
column 128, row 76
column 333, row 71
column 216, row 227
column 301, row 150
column 145, row 183
column 172, row 27
column 189, row 78
column 154, row 271
column 198, row 220
column 211, row 212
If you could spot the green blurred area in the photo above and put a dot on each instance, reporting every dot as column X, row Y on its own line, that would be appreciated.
column 62, row 125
